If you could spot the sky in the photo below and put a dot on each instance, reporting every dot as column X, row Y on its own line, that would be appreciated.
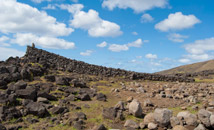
column 137, row 35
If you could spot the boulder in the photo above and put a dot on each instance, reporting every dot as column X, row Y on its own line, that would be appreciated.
column 37, row 109
column 120, row 106
column 101, row 97
column 19, row 85
column 80, row 115
column 149, row 118
column 204, row 117
column 152, row 126
column 100, row 127
column 162, row 116
column 29, row 93
column 109, row 113
column 58, row 110
column 132, row 124
column 200, row 127
column 46, row 95
column 174, row 121
column 135, row 108
column 85, row 97
column 50, row 78
column 179, row 127
column 148, row 103
column 62, row 81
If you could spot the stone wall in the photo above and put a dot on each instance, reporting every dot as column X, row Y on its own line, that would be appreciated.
column 53, row 61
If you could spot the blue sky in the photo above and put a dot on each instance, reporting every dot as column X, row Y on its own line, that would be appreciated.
column 137, row 35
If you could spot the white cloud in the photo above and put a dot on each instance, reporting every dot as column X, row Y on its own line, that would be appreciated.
column 40, row 1
column 50, row 6
column 103, row 44
column 175, row 37
column 136, row 43
column 136, row 5
column 151, row 56
column 125, row 47
column 118, row 48
column 199, row 50
column 8, row 52
column 134, row 33
column 21, row 18
column 74, row 8
column 86, row 53
column 90, row 21
column 23, row 39
column 145, row 41
column 177, row 21
column 200, row 46
column 184, row 60
column 4, row 39
column 146, row 18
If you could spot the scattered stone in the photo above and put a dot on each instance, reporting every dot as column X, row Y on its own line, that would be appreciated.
column 135, row 108
column 204, row 117
column 148, row 103
column 179, row 127
column 101, row 97
column 152, row 126
column 162, row 116
column 37, row 109
column 131, row 123
column 174, row 121
column 129, row 99
column 100, row 127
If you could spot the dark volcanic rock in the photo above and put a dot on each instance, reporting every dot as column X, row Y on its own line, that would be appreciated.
column 101, row 97
column 50, row 78
column 109, row 113
column 62, row 81
column 58, row 110
column 2, row 127
column 37, row 109
column 27, row 93
column 85, row 97
column 46, row 95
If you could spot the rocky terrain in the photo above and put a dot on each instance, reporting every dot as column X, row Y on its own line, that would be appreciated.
column 45, row 91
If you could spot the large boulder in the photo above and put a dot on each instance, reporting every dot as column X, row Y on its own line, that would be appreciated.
column 174, row 121
column 200, row 127
column 135, row 108
column 100, row 127
column 204, row 117
column 212, row 121
column 188, row 118
column 162, row 116
column 62, row 81
column 149, row 118
column 152, row 126
column 28, row 93
column 19, row 85
column 37, row 109
column 46, row 95
column 109, row 113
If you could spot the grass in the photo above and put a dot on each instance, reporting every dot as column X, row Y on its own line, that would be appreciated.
column 176, row 110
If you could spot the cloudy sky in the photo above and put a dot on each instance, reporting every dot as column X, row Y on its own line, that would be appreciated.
column 138, row 35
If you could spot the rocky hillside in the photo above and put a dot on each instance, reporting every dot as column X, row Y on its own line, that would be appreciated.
column 191, row 68
column 44, row 91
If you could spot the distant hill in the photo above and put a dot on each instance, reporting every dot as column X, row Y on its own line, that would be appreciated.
column 191, row 68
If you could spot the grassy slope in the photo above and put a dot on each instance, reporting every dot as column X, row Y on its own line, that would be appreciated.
column 191, row 68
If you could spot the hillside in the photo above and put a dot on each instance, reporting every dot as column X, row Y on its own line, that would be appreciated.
column 191, row 68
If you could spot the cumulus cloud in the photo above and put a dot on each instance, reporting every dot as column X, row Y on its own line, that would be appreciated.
column 23, row 39
column 136, row 43
column 8, row 52
column 146, row 18
column 21, row 18
column 175, row 37
column 103, row 44
column 199, row 50
column 177, row 21
column 40, row 1
column 4, row 40
column 74, row 1
column 86, row 53
column 125, row 47
column 90, row 21
column 151, row 56
column 137, row 5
